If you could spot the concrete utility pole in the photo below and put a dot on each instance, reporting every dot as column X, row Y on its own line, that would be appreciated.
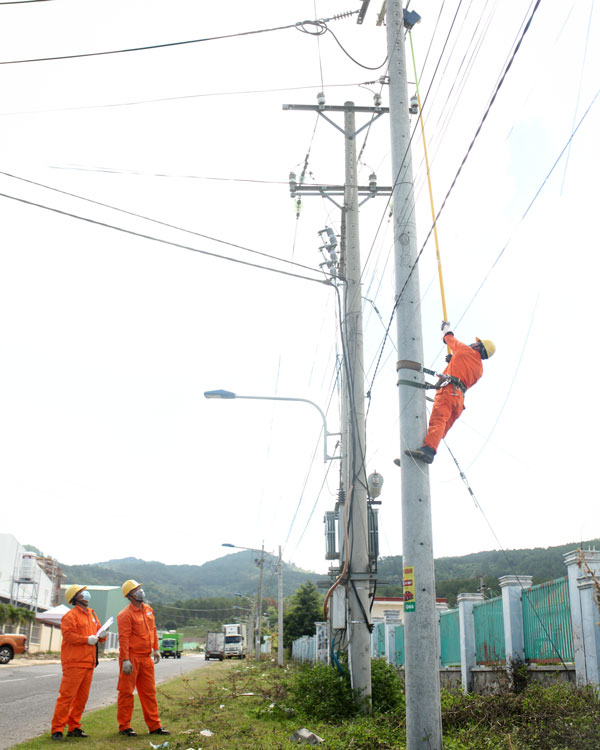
column 354, row 474
column 359, row 631
column 261, row 565
column 421, row 636
column 280, row 609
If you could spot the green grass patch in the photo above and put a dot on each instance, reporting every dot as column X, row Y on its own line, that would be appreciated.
column 257, row 706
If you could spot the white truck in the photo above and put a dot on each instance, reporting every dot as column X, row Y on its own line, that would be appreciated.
column 215, row 645
column 235, row 640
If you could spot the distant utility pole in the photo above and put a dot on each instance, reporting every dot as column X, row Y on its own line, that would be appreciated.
column 359, row 576
column 280, row 609
column 421, row 635
column 261, row 564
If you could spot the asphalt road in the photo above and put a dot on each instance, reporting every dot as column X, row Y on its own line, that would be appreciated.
column 28, row 693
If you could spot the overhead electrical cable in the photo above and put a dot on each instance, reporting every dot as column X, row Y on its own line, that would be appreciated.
column 150, row 237
column 178, row 98
column 299, row 25
column 155, row 221
column 485, row 115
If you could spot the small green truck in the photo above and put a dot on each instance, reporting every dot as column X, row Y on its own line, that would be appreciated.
column 171, row 645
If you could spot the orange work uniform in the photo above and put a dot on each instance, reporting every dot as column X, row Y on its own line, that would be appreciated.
column 137, row 640
column 449, row 402
column 78, row 660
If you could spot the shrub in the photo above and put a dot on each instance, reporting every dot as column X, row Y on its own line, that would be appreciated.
column 387, row 688
column 321, row 693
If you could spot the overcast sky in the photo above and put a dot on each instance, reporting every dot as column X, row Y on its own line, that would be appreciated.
column 109, row 339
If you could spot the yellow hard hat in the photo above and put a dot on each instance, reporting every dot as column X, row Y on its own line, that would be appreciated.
column 72, row 591
column 489, row 347
column 128, row 586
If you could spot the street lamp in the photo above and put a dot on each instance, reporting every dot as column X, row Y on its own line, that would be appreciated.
column 279, row 568
column 227, row 395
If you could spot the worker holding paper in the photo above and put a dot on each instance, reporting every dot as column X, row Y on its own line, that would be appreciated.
column 79, row 657
column 138, row 653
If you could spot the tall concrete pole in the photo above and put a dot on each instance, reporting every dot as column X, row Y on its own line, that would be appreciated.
column 280, row 610
column 421, row 635
column 359, row 655
column 261, row 565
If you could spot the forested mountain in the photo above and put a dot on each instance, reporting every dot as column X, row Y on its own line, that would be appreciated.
column 225, row 576
column 464, row 573
column 235, row 573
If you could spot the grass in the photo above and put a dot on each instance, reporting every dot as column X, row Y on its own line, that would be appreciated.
column 251, row 707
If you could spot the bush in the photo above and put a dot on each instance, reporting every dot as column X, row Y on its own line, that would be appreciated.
column 321, row 693
column 387, row 688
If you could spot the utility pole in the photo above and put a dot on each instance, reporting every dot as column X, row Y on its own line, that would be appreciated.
column 359, row 626
column 421, row 635
column 261, row 565
column 354, row 475
column 280, row 609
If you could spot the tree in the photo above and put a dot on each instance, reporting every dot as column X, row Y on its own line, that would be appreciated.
column 3, row 615
column 304, row 610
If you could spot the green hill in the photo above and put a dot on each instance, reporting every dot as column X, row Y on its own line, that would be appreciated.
column 225, row 576
column 463, row 574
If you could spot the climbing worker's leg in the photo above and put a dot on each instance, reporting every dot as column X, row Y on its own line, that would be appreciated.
column 440, row 421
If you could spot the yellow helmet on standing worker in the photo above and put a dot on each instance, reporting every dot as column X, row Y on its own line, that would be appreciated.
column 128, row 586
column 489, row 347
column 72, row 591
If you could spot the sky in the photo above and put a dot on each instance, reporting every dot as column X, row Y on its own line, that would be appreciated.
column 114, row 325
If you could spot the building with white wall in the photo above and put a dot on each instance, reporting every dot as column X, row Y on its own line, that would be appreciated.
column 22, row 581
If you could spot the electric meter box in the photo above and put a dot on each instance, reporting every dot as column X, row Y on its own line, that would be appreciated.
column 338, row 608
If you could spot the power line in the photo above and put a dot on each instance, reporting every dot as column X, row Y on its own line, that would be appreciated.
column 154, row 221
column 299, row 25
column 178, row 98
column 141, row 235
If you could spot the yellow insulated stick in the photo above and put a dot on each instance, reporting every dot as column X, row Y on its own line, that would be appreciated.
column 435, row 234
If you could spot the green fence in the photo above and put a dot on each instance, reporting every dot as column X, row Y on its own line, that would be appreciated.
column 547, row 623
column 380, row 639
column 489, row 631
column 399, row 636
column 450, row 638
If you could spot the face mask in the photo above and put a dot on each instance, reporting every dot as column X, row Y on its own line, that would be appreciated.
column 139, row 595
column 84, row 596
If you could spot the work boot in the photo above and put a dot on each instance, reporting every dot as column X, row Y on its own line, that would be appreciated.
column 160, row 730
column 77, row 733
column 129, row 732
column 425, row 454
column 57, row 736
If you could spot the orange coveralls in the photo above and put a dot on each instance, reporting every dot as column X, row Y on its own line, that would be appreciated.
column 137, row 640
column 78, row 660
column 449, row 402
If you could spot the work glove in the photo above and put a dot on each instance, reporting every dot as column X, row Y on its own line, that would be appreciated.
column 446, row 328
column 448, row 357
column 127, row 667
column 92, row 640
column 156, row 656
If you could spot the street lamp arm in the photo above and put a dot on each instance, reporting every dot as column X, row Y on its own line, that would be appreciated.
column 223, row 394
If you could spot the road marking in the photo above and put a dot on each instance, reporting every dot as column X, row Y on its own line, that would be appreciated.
column 41, row 676
column 15, row 679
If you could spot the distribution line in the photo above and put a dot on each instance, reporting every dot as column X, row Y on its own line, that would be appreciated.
column 177, row 98
column 154, row 221
column 144, row 236
column 299, row 25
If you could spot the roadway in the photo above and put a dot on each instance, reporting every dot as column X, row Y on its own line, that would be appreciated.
column 28, row 693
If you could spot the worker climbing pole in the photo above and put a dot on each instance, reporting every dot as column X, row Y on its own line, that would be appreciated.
column 464, row 361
